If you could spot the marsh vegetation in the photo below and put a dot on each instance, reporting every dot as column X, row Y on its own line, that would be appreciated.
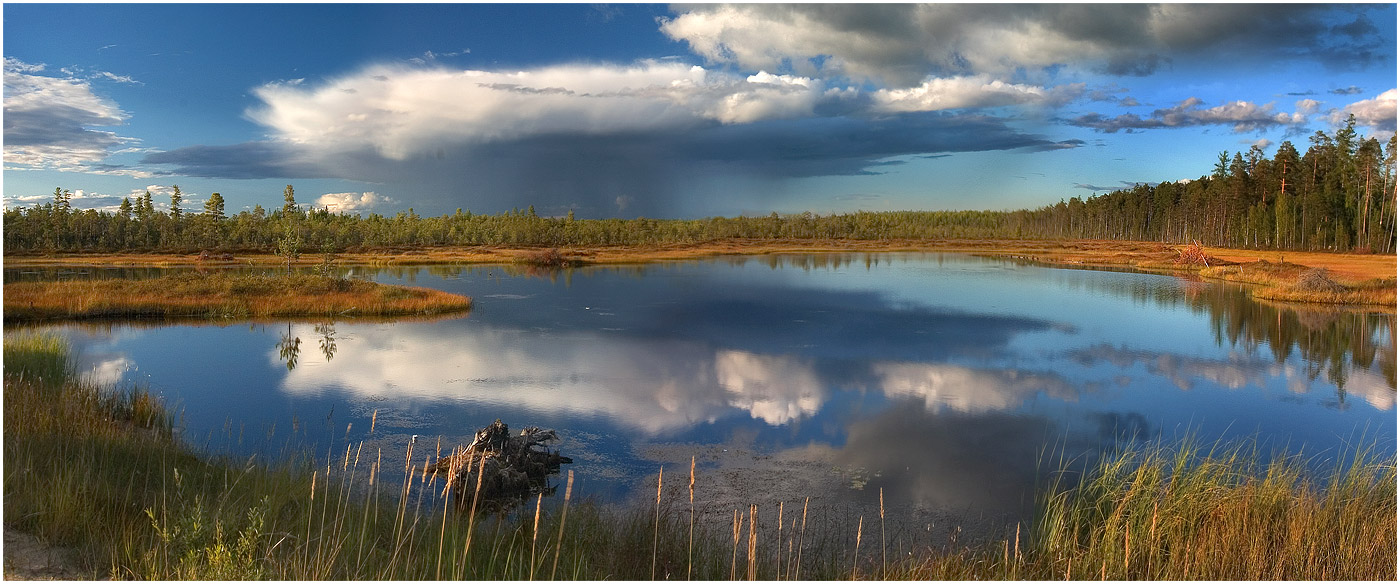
column 221, row 295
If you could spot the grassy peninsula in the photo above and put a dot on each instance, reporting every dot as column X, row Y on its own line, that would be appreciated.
column 222, row 295
column 99, row 471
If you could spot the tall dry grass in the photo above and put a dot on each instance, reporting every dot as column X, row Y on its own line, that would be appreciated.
column 1202, row 512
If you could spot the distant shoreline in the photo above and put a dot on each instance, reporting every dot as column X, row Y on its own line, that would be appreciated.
column 1368, row 278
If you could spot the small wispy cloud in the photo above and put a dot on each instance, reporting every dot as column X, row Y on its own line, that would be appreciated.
column 981, row 91
column 77, row 72
column 867, row 197
column 1122, row 184
column 80, row 199
column 1241, row 116
column 431, row 56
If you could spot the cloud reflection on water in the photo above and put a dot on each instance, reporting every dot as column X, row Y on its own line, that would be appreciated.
column 651, row 385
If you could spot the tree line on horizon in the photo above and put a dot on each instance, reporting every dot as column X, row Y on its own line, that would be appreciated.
column 1339, row 195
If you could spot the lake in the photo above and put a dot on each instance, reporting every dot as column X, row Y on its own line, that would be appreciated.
column 948, row 383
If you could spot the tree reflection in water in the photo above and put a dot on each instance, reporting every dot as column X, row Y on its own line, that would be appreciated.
column 1330, row 339
column 289, row 348
column 327, row 332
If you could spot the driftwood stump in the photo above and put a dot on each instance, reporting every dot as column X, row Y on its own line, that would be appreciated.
column 508, row 468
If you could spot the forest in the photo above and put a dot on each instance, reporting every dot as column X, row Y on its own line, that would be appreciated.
column 1339, row 195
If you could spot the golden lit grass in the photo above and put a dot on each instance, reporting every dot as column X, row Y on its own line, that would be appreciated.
column 1107, row 252
column 1346, row 267
column 222, row 296
column 1290, row 282
column 1368, row 273
column 1381, row 296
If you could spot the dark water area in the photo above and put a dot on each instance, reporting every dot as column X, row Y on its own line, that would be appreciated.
column 945, row 381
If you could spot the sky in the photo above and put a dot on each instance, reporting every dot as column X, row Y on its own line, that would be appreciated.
column 626, row 110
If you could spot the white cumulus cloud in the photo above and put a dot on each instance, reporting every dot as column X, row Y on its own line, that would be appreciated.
column 775, row 389
column 352, row 202
column 402, row 112
column 1377, row 112
column 973, row 91
column 967, row 390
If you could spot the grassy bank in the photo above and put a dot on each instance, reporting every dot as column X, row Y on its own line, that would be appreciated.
column 219, row 295
column 1367, row 276
column 1289, row 282
column 98, row 470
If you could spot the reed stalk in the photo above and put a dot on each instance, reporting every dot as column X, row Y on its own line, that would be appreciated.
column 535, row 534
column 656, row 526
column 855, row 557
column 884, row 563
column 801, row 535
column 734, row 553
column 690, row 545
column 563, row 515
column 753, row 542
column 778, row 551
column 471, row 521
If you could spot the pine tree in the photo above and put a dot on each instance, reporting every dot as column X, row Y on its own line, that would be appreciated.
column 289, row 207
column 62, row 201
column 145, row 209
column 214, row 207
column 175, row 212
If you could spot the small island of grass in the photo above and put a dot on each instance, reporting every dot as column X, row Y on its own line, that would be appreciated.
column 219, row 295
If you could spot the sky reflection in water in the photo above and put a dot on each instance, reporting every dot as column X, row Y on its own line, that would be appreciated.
column 939, row 378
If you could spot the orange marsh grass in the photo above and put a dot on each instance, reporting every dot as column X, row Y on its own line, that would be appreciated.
column 138, row 504
column 221, row 295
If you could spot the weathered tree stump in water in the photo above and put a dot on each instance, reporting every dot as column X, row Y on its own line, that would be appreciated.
column 509, row 468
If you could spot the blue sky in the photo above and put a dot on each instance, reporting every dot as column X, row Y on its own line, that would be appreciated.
column 669, row 110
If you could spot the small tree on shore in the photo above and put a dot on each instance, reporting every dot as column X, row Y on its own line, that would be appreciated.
column 289, row 246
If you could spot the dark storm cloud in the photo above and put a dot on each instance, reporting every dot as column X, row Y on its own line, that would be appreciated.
column 901, row 44
column 1134, row 65
column 848, row 146
column 636, row 173
column 59, row 124
column 248, row 160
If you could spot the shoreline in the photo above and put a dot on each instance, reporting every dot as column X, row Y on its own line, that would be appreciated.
column 1369, row 279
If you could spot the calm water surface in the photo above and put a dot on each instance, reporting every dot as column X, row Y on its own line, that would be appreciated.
column 938, row 378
